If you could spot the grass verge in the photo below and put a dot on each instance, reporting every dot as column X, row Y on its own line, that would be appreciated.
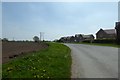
column 54, row 62
column 100, row 44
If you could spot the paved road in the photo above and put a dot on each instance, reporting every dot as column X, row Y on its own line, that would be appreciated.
column 94, row 61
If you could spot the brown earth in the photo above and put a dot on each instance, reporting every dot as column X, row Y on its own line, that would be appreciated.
column 12, row 50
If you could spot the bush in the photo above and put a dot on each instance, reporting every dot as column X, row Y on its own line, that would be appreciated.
column 36, row 39
column 86, row 41
column 5, row 39
column 104, row 41
column 101, row 41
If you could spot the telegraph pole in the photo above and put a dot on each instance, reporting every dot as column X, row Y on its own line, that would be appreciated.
column 40, row 35
column 43, row 36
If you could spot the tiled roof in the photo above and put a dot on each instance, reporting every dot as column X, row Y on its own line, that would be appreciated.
column 84, row 36
column 110, row 31
column 87, row 36
column 77, row 35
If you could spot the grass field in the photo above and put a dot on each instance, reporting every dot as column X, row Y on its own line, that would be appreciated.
column 54, row 62
column 100, row 44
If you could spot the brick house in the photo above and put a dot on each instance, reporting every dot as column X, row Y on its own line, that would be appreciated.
column 78, row 38
column 82, row 37
column 67, row 39
column 106, row 34
column 70, row 39
column 63, row 39
column 88, row 37
column 117, row 27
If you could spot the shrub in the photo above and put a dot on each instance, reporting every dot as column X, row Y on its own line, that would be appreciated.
column 36, row 39
column 104, row 41
column 100, row 41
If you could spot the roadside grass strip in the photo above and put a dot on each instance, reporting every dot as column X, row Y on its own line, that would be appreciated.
column 53, row 62
column 104, row 44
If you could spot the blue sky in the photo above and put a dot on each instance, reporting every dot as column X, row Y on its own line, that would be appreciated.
column 23, row 20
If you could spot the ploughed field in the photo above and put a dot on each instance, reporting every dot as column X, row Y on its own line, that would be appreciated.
column 12, row 50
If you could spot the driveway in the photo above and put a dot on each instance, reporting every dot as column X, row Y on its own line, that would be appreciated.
column 94, row 61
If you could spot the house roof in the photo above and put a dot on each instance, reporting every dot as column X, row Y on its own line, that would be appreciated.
column 87, row 36
column 84, row 36
column 70, row 37
column 63, row 37
column 77, row 35
column 110, row 31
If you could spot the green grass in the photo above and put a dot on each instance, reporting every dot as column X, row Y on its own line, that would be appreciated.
column 100, row 44
column 54, row 62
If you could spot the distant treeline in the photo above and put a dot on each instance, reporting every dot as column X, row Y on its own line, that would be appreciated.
column 34, row 40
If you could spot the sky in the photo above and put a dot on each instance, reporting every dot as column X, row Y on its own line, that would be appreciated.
column 24, row 20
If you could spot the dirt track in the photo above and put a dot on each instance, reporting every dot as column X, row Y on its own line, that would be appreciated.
column 13, row 49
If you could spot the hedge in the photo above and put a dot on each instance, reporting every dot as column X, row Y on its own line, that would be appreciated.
column 101, row 41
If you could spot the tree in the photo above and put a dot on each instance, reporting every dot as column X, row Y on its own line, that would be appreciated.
column 36, row 39
column 4, row 39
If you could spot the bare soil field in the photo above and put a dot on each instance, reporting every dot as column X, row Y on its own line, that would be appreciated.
column 12, row 50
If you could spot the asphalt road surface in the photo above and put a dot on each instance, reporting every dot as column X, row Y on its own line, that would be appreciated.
column 94, row 61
